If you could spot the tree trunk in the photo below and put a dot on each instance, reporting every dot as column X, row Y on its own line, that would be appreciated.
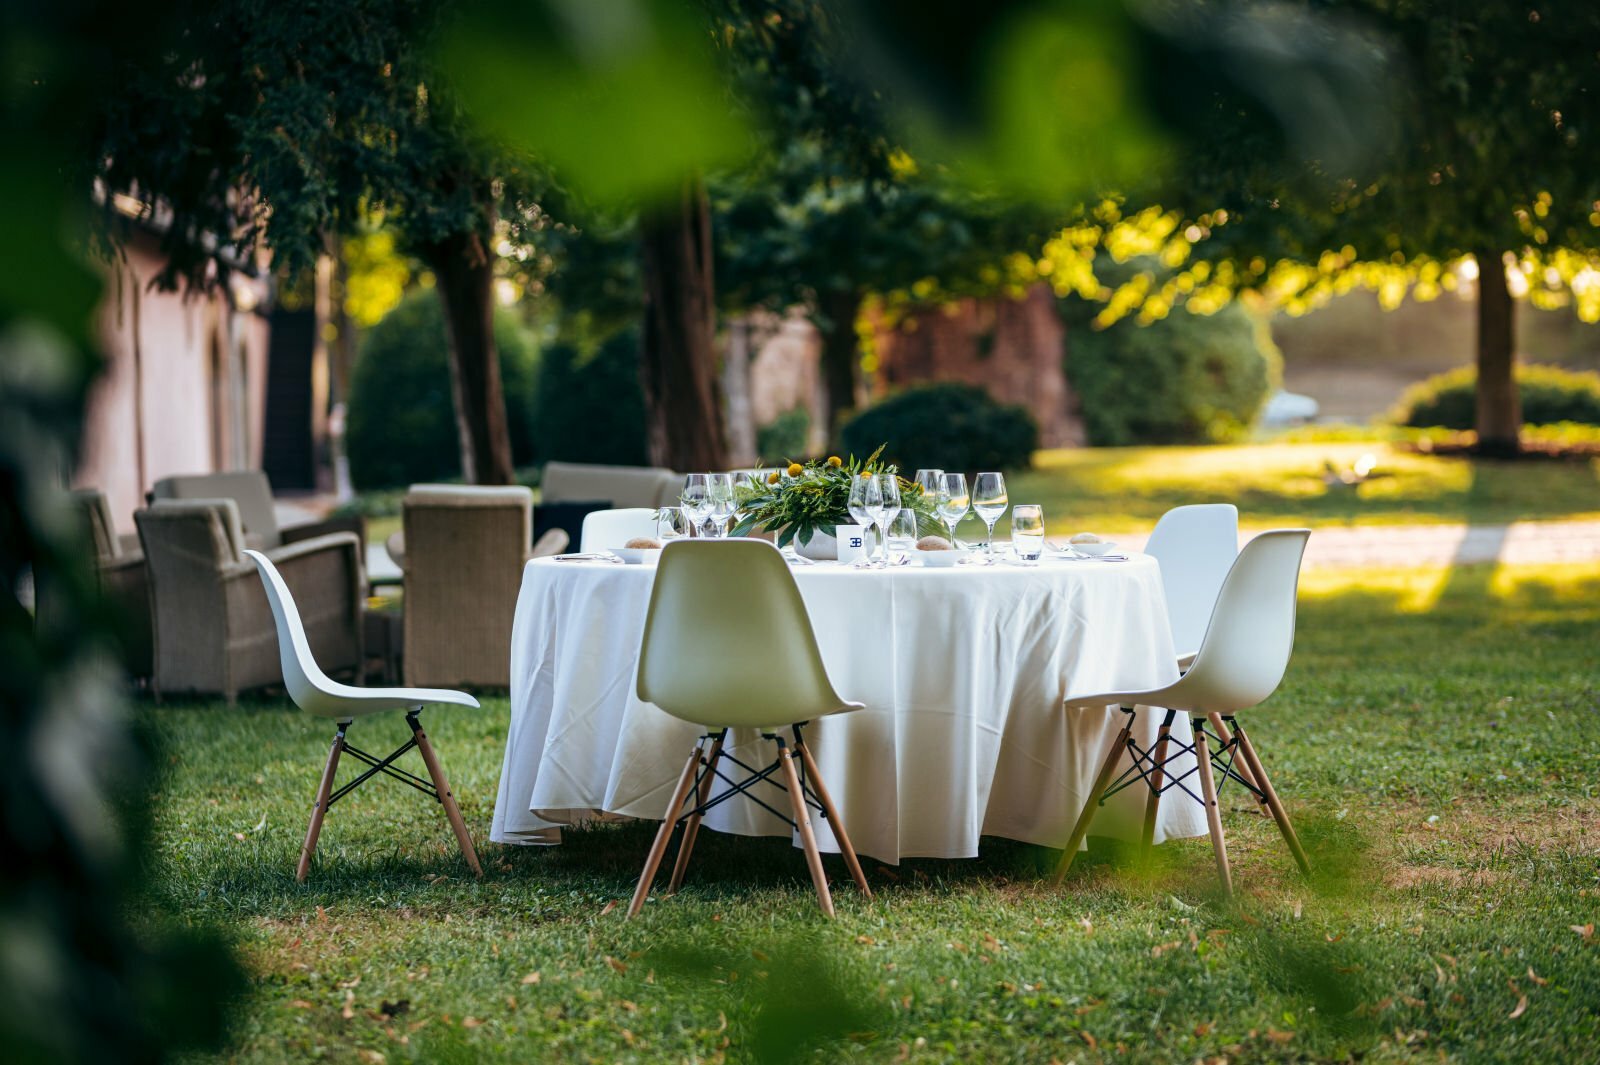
column 837, row 312
column 465, row 275
column 677, row 348
column 1499, row 407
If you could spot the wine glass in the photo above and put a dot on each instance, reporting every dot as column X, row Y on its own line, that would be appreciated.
column 989, row 500
column 719, row 488
column 928, row 481
column 865, row 504
column 953, row 502
column 671, row 524
column 1027, row 531
column 889, row 493
column 695, row 501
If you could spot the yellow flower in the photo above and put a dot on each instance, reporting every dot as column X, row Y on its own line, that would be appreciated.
column 772, row 478
column 835, row 461
column 795, row 469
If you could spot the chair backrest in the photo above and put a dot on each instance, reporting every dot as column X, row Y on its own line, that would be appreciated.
column 250, row 489
column 187, row 532
column 95, row 513
column 605, row 529
column 727, row 640
column 464, row 551
column 1196, row 546
column 1251, row 635
column 308, row 686
column 624, row 486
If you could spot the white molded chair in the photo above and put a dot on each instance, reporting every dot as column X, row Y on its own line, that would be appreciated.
column 1240, row 663
column 314, row 693
column 607, row 529
column 1195, row 546
column 752, row 662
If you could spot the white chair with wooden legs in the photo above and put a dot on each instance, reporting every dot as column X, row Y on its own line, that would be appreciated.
column 750, row 660
column 1195, row 546
column 1240, row 663
column 604, row 530
column 314, row 693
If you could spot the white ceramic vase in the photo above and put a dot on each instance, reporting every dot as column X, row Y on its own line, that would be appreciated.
column 822, row 547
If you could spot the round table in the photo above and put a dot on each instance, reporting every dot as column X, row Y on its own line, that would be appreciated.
column 963, row 671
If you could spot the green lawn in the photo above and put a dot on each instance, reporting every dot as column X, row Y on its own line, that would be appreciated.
column 1437, row 742
column 1124, row 489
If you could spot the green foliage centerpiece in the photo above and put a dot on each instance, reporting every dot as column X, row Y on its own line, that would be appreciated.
column 803, row 500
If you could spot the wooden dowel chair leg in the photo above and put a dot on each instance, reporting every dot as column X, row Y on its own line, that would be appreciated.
column 835, row 822
column 808, row 839
column 691, row 828
column 319, row 809
column 1279, row 815
column 1152, row 802
column 1081, row 828
column 1208, row 791
column 446, row 798
column 664, row 836
column 1226, row 737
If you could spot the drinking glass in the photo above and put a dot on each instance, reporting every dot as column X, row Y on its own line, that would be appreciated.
column 695, row 501
column 719, row 488
column 866, row 504
column 953, row 502
column 928, row 481
column 889, row 509
column 1027, row 531
column 989, row 500
column 903, row 531
column 671, row 524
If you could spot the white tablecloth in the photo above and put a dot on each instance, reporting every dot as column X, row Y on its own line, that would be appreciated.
column 962, row 671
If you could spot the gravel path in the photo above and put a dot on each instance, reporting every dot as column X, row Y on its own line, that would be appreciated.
column 1439, row 545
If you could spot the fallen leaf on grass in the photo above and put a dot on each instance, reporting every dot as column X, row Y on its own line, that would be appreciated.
column 1279, row 1037
column 1522, row 1007
column 1584, row 930
column 1090, row 1039
column 239, row 836
column 618, row 966
column 1536, row 978
column 302, row 1004
column 531, row 978
column 608, row 907
column 349, row 1011
column 471, row 1022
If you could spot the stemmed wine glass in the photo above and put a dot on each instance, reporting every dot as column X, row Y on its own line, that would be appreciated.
column 989, row 500
column 719, row 488
column 889, row 493
column 695, row 501
column 866, row 505
column 952, row 501
column 928, row 481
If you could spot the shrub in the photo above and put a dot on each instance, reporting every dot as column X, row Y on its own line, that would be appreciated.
column 402, row 423
column 1187, row 379
column 949, row 426
column 784, row 438
column 589, row 404
column 1549, row 395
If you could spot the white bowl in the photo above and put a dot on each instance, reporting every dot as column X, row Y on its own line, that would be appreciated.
column 941, row 558
column 1104, row 547
column 637, row 556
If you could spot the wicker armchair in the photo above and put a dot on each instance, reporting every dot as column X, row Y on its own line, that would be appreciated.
column 214, row 631
column 464, row 551
column 252, row 493
column 616, row 486
column 119, row 567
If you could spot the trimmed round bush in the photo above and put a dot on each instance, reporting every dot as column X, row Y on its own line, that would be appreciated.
column 1550, row 395
column 402, row 422
column 1187, row 379
column 589, row 404
column 784, row 438
column 949, row 426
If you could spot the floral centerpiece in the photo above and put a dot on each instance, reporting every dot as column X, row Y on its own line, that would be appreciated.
column 806, row 501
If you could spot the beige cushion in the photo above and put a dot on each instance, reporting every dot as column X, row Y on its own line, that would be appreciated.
column 250, row 489
column 622, row 486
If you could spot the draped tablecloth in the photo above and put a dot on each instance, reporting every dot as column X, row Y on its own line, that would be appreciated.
column 962, row 670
